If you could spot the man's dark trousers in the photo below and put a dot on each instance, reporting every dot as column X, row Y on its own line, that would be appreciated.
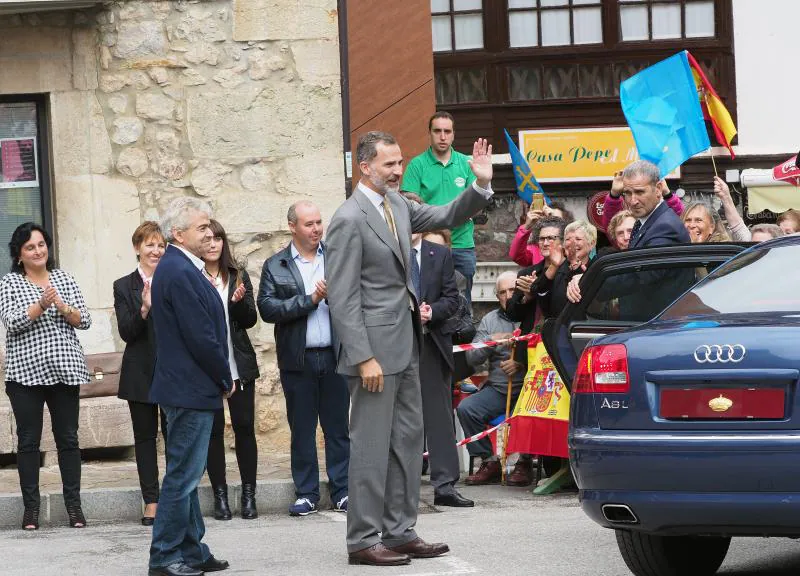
column 179, row 527
column 318, row 393
column 437, row 413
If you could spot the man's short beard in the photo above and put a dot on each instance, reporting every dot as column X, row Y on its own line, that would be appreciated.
column 383, row 186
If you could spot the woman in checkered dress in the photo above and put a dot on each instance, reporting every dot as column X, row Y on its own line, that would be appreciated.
column 41, row 306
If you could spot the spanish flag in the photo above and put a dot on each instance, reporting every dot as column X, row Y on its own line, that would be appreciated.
column 713, row 109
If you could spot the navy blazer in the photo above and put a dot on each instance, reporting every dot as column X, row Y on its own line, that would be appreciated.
column 662, row 228
column 282, row 300
column 191, row 338
column 439, row 290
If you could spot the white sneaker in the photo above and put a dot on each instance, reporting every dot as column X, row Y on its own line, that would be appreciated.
column 302, row 507
column 341, row 505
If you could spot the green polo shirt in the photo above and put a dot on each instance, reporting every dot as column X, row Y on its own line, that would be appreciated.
column 439, row 184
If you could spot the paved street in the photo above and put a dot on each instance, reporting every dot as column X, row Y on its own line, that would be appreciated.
column 510, row 533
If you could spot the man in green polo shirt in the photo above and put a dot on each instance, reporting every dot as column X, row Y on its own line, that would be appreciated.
column 438, row 175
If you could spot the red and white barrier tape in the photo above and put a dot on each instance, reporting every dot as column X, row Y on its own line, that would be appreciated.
column 480, row 435
column 491, row 343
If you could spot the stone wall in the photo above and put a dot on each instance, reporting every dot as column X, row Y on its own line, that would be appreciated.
column 235, row 101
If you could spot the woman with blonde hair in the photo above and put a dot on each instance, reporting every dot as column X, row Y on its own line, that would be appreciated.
column 704, row 224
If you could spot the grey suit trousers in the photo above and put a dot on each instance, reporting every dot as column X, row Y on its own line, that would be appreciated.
column 437, row 414
column 385, row 459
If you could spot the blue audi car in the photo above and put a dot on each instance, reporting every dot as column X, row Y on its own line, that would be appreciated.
column 683, row 370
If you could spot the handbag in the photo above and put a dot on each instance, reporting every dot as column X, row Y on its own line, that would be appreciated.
column 104, row 370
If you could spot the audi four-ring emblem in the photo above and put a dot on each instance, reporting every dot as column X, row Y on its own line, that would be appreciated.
column 723, row 353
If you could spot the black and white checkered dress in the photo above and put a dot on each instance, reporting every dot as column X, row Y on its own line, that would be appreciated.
column 44, row 351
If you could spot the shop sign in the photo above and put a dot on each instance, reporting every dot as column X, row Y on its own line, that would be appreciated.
column 580, row 154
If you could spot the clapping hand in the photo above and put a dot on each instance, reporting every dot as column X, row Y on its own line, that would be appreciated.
column 481, row 162
column 238, row 294
column 524, row 284
column 574, row 290
column 320, row 291
column 49, row 297
column 146, row 300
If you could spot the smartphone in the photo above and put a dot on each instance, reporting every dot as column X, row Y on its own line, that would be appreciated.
column 538, row 201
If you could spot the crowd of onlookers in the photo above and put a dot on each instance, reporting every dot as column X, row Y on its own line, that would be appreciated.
column 42, row 306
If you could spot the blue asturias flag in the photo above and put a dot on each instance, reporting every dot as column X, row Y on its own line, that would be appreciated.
column 526, row 181
column 664, row 114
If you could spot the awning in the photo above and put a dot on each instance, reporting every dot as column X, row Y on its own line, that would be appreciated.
column 7, row 7
column 776, row 199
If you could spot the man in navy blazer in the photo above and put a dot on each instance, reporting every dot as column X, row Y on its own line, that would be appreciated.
column 190, row 379
column 644, row 294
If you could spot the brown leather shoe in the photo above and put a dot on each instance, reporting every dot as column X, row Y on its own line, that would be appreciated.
column 378, row 555
column 522, row 474
column 488, row 473
column 420, row 549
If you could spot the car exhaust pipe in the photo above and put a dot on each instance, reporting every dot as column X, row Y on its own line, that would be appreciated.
column 619, row 514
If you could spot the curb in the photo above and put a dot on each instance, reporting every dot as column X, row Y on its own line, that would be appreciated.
column 125, row 504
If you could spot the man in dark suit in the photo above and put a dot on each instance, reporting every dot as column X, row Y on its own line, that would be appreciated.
column 433, row 276
column 292, row 296
column 644, row 294
column 190, row 379
column 376, row 315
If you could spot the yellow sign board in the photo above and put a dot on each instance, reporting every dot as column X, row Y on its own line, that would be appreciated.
column 580, row 154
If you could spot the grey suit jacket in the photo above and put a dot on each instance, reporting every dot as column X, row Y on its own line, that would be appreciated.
column 368, row 276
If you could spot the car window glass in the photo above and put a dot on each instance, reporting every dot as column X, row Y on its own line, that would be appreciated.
column 641, row 295
column 759, row 281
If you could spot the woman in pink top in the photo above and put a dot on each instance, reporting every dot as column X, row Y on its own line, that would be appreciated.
column 522, row 251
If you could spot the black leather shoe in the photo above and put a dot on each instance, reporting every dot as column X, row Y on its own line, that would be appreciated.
column 176, row 569
column 455, row 499
column 249, row 511
column 148, row 520
column 212, row 565
column 221, row 509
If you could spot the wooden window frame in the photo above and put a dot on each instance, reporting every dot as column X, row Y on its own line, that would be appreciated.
column 501, row 112
column 539, row 9
column 452, row 13
column 650, row 4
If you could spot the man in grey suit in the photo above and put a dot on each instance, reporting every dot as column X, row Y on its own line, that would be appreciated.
column 377, row 317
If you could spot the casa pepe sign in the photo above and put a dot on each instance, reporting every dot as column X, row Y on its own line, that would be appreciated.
column 579, row 154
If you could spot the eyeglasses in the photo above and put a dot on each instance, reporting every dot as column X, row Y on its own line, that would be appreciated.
column 544, row 239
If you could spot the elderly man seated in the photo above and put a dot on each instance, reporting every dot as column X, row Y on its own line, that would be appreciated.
column 475, row 411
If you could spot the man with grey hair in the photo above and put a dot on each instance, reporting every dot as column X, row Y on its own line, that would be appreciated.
column 376, row 314
column 478, row 409
column 292, row 296
column 190, row 378
column 644, row 294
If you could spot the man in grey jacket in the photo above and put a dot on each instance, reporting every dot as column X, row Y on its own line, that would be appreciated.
column 376, row 315
column 475, row 411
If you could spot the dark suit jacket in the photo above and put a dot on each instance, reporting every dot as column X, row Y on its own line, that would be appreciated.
column 644, row 294
column 242, row 315
column 191, row 369
column 138, row 359
column 282, row 300
column 439, row 290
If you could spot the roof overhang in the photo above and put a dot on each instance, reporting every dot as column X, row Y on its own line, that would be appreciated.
column 17, row 7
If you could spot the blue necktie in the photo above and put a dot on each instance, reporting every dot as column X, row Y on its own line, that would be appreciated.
column 415, row 274
column 635, row 233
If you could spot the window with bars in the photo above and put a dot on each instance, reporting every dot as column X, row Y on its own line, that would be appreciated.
column 457, row 25
column 554, row 22
column 649, row 20
column 21, row 198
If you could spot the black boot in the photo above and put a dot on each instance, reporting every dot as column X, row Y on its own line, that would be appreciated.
column 249, row 511
column 221, row 509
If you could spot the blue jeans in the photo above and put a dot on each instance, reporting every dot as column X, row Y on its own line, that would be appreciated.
column 318, row 393
column 179, row 528
column 465, row 261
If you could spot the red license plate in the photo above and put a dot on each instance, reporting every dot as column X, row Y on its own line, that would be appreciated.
column 722, row 403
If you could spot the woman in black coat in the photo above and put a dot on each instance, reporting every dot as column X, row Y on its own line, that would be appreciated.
column 132, row 307
column 236, row 291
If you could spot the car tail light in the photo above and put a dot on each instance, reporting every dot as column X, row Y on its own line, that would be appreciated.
column 603, row 369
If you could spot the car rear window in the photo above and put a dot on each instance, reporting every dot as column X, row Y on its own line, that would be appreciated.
column 762, row 280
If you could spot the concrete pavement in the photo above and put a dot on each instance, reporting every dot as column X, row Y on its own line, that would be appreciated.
column 509, row 533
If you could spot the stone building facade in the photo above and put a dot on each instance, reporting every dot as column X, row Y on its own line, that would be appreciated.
column 234, row 101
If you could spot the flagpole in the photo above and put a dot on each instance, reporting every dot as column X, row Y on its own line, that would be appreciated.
column 504, row 455
column 710, row 148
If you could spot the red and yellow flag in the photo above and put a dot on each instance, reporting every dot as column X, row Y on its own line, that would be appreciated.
column 542, row 412
column 713, row 109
